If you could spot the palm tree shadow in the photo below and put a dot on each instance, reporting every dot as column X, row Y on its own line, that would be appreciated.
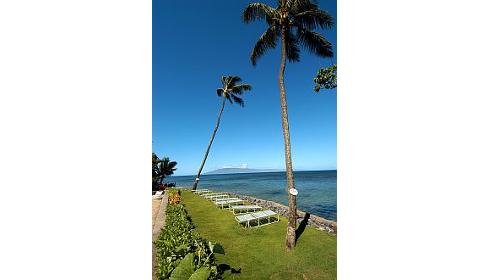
column 302, row 226
column 226, row 269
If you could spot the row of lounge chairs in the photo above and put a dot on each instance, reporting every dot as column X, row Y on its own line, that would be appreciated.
column 247, row 215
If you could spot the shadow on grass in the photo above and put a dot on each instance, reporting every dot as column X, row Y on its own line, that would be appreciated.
column 226, row 269
column 302, row 226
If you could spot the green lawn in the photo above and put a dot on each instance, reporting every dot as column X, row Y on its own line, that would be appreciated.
column 260, row 252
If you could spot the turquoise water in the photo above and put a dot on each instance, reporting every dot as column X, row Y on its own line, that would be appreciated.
column 317, row 190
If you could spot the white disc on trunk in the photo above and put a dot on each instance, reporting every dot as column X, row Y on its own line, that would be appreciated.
column 293, row 191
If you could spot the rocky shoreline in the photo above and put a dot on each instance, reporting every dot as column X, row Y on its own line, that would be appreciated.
column 313, row 220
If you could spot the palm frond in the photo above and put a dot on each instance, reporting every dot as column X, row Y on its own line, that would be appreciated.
column 292, row 49
column 285, row 3
column 239, row 89
column 256, row 11
column 219, row 91
column 313, row 18
column 266, row 41
column 297, row 6
column 314, row 42
column 227, row 96
column 172, row 165
column 238, row 100
column 233, row 80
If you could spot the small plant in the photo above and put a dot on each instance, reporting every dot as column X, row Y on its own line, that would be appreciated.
column 174, row 198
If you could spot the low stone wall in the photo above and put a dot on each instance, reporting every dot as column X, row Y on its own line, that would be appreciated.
column 314, row 221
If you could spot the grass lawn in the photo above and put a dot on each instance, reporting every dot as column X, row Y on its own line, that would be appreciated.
column 260, row 252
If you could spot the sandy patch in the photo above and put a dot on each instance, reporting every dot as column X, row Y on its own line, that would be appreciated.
column 155, row 207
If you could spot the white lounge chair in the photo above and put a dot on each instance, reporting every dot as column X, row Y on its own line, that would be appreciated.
column 198, row 191
column 245, row 218
column 204, row 192
column 225, row 198
column 213, row 197
column 267, row 214
column 228, row 202
column 206, row 195
column 246, row 208
column 257, row 216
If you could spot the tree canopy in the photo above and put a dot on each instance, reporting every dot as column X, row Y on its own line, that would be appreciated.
column 298, row 19
column 161, row 168
column 326, row 78
column 231, row 90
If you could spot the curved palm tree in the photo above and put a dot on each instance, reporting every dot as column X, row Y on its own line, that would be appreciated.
column 293, row 22
column 230, row 91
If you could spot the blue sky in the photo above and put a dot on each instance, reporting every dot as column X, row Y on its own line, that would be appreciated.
column 194, row 43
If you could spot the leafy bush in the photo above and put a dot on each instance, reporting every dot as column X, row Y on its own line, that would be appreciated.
column 181, row 253
column 174, row 198
column 326, row 78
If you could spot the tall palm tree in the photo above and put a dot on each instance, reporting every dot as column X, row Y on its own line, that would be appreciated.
column 293, row 21
column 230, row 91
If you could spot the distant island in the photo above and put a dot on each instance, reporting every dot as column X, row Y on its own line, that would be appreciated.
column 234, row 170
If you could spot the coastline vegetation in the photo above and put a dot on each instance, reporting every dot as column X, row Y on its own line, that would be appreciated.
column 181, row 253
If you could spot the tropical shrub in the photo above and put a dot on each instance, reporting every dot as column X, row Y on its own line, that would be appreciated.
column 174, row 198
column 161, row 168
column 180, row 252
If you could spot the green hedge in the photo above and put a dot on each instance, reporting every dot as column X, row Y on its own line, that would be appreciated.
column 180, row 252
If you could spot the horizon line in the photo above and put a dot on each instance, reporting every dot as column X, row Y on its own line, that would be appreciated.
column 284, row 170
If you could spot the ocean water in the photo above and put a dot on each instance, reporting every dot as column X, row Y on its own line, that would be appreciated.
column 317, row 190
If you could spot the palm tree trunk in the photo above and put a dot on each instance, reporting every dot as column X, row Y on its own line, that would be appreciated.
column 209, row 146
column 291, row 229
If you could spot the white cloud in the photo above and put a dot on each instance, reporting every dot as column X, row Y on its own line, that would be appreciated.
column 243, row 165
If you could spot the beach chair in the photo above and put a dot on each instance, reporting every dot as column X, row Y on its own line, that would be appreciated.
column 199, row 191
column 225, row 198
column 213, row 197
column 206, row 195
column 246, row 208
column 245, row 219
column 204, row 192
column 257, row 216
column 267, row 214
column 228, row 202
